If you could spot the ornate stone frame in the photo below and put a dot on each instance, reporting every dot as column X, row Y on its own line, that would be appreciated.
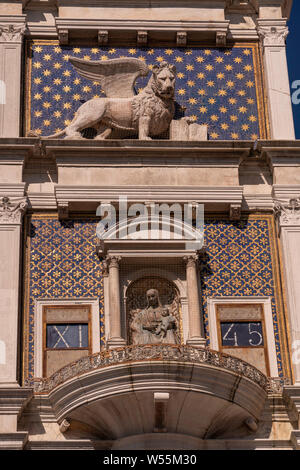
column 267, row 312
column 38, row 327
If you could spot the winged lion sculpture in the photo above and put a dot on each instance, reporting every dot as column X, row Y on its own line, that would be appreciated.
column 146, row 114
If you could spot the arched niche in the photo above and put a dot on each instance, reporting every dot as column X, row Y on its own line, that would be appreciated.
column 169, row 295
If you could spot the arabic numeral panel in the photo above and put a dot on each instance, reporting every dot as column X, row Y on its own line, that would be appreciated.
column 242, row 334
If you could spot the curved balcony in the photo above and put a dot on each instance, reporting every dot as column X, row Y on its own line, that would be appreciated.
column 113, row 392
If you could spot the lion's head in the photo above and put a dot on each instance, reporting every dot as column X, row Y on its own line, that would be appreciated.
column 163, row 80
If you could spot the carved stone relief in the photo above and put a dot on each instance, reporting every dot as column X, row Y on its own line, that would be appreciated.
column 153, row 312
column 11, row 210
column 288, row 214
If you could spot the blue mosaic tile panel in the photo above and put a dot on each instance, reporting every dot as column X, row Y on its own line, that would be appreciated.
column 219, row 87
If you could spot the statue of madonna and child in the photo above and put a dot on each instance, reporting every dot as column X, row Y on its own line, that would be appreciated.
column 153, row 324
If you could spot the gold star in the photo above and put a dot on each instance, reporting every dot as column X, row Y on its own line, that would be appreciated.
column 224, row 126
column 132, row 51
column 150, row 52
column 241, row 92
column 189, row 67
column 95, row 50
column 232, row 100
column 57, row 49
column 37, row 96
column 87, row 57
column 47, row 122
column 47, row 73
column 37, row 65
column 254, row 136
column 189, row 52
column 192, row 101
column 179, row 59
column 47, row 57
column 67, row 73
column 207, row 52
column 57, row 114
column 246, row 52
column 248, row 68
column 76, row 97
column 210, row 83
column 57, row 81
column 76, row 50
column 243, row 109
column 219, row 60
column 38, row 113
column 181, row 91
column 86, row 89
column 47, row 89
column 222, row 92
column 214, row 135
column 250, row 84
column 238, row 60
column 250, row 101
column 104, row 57
column 76, row 81
column 214, row 117
column 67, row 106
column 234, row 135
column 245, row 127
column 47, row 105
column 223, row 109
column 200, row 59
column 240, row 76
column 180, row 75
column 230, row 84
column 57, row 65
column 38, row 49
column 209, row 67
column 220, row 76
column 37, row 80
column 233, row 118
column 252, row 118
column 201, row 92
column 211, row 101
column 169, row 51
column 57, row 97
column 66, row 57
column 160, row 59
column 191, row 83
column 201, row 75
column 203, row 109
column 228, row 67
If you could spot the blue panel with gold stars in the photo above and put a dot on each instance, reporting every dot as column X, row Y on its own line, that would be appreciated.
column 219, row 87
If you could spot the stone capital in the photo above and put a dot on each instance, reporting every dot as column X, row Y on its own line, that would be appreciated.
column 272, row 34
column 191, row 260
column 113, row 261
column 288, row 214
column 11, row 32
column 12, row 210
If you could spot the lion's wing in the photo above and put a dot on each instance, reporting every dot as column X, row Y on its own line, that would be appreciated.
column 116, row 76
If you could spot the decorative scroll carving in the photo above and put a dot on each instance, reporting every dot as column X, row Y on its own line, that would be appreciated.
column 288, row 214
column 273, row 35
column 11, row 210
column 146, row 114
column 11, row 32
column 161, row 352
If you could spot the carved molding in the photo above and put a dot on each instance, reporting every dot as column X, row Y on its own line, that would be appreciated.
column 272, row 33
column 288, row 213
column 12, row 32
column 190, row 260
column 112, row 261
column 12, row 210
column 161, row 352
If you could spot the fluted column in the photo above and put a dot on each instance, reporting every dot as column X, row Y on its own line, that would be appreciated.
column 12, row 30
column 273, row 33
column 196, row 336
column 115, row 339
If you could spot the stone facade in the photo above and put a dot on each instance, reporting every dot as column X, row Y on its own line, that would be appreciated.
column 141, row 325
